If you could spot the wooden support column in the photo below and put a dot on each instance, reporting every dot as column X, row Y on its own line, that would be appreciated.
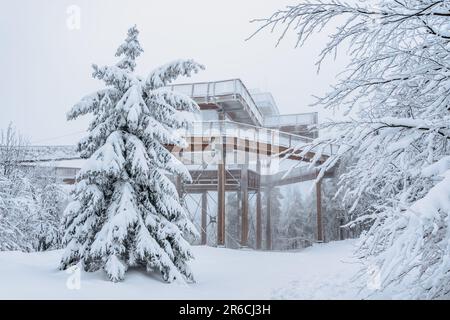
column 268, row 222
column 221, row 206
column 239, row 213
column 221, row 190
column 258, row 221
column 258, row 207
column 204, row 218
column 320, row 237
column 244, row 197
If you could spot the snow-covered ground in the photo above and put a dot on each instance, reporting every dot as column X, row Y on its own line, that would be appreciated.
column 322, row 272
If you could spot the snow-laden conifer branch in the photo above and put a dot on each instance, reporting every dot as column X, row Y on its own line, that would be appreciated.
column 165, row 74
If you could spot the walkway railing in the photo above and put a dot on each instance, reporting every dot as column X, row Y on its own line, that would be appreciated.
column 291, row 120
column 249, row 132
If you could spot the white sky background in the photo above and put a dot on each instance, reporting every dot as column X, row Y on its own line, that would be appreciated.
column 47, row 67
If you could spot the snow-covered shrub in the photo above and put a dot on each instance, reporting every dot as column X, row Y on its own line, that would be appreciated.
column 31, row 200
column 17, row 203
column 126, row 211
column 397, row 88
column 18, row 213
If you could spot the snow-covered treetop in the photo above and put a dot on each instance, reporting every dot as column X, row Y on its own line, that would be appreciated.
column 131, row 49
column 128, row 99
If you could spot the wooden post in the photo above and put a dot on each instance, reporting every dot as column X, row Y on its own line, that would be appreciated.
column 258, row 208
column 320, row 237
column 221, row 190
column 268, row 222
column 239, row 211
column 244, row 195
column 258, row 221
column 204, row 217
column 221, row 206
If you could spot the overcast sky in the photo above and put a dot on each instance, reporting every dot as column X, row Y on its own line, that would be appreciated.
column 46, row 66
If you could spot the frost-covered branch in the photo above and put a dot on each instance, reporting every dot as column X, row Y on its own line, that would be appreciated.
column 397, row 87
column 12, row 145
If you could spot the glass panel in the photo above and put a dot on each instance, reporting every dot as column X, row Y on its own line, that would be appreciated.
column 294, row 119
column 224, row 87
column 200, row 90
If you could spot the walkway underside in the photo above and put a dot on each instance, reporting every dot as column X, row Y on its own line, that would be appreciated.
column 211, row 143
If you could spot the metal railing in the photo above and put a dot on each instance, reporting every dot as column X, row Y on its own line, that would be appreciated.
column 265, row 100
column 291, row 120
column 249, row 132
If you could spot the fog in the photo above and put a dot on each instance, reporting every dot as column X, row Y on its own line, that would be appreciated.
column 46, row 63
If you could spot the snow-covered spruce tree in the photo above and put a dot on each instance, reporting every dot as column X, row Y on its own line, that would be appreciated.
column 126, row 211
column 233, row 224
column 51, row 202
column 293, row 226
column 398, row 84
column 334, row 215
column 275, row 196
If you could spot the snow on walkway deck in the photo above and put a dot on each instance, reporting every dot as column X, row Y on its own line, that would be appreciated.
column 321, row 272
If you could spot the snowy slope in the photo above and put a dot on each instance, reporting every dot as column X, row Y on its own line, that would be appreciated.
column 320, row 272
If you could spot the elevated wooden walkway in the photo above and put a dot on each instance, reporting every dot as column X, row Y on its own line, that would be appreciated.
column 247, row 125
